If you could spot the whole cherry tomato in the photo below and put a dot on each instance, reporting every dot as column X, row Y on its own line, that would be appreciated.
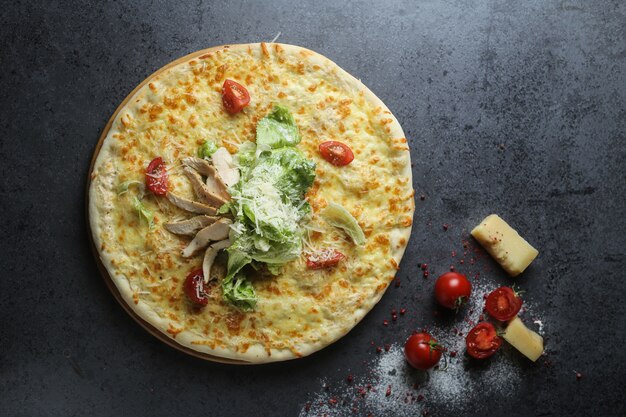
column 194, row 288
column 156, row 176
column 452, row 290
column 324, row 259
column 503, row 303
column 234, row 96
column 482, row 341
column 422, row 351
column 337, row 153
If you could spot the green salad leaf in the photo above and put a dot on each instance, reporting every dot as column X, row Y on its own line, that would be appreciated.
column 124, row 186
column 143, row 212
column 336, row 215
column 268, row 203
column 207, row 149
column 278, row 129
column 238, row 291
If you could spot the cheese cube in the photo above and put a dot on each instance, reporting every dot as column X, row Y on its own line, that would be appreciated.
column 524, row 339
column 502, row 242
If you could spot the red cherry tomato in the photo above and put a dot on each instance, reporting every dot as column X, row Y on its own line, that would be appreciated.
column 482, row 341
column 452, row 290
column 422, row 351
column 503, row 304
column 234, row 96
column 324, row 259
column 194, row 288
column 156, row 176
column 337, row 153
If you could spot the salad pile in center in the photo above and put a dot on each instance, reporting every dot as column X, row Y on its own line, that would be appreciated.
column 267, row 203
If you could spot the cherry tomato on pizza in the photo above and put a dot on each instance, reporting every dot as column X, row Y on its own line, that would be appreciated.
column 503, row 304
column 337, row 153
column 482, row 341
column 422, row 351
column 156, row 176
column 234, row 96
column 324, row 259
column 452, row 290
column 194, row 288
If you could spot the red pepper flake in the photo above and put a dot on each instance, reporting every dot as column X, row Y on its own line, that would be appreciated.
column 420, row 398
column 424, row 267
column 388, row 392
column 362, row 391
column 422, row 197
column 332, row 401
column 378, row 349
column 481, row 317
column 445, row 227
column 369, row 387
column 397, row 282
column 425, row 412
column 451, row 267
column 579, row 376
column 387, row 347
column 453, row 354
column 426, row 274
column 453, row 253
column 462, row 261
column 307, row 407
column 402, row 311
column 385, row 323
column 350, row 378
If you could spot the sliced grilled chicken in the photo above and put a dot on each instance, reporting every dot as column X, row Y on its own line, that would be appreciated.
column 191, row 206
column 201, row 165
column 191, row 226
column 223, row 162
column 215, row 232
column 201, row 190
column 213, row 180
column 209, row 257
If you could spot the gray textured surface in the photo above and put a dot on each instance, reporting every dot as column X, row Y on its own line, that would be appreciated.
column 510, row 107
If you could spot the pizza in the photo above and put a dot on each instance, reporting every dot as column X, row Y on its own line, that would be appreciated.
column 251, row 203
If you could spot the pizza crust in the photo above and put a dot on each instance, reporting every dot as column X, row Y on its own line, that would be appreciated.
column 100, row 206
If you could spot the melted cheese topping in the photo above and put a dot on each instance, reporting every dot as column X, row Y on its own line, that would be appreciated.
column 300, row 310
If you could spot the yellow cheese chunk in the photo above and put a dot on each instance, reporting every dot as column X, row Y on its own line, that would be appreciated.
column 502, row 242
column 524, row 339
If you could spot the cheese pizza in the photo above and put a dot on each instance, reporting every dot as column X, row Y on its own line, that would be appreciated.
column 251, row 202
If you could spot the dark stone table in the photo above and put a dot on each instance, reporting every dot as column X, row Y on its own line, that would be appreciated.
column 512, row 107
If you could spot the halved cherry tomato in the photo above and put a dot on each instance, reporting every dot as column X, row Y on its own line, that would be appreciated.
column 337, row 153
column 452, row 290
column 194, row 288
column 482, row 341
column 324, row 259
column 503, row 304
column 422, row 351
column 234, row 96
column 156, row 176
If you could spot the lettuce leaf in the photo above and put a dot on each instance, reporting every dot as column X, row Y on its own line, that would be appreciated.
column 278, row 129
column 207, row 149
column 143, row 212
column 336, row 215
column 238, row 291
